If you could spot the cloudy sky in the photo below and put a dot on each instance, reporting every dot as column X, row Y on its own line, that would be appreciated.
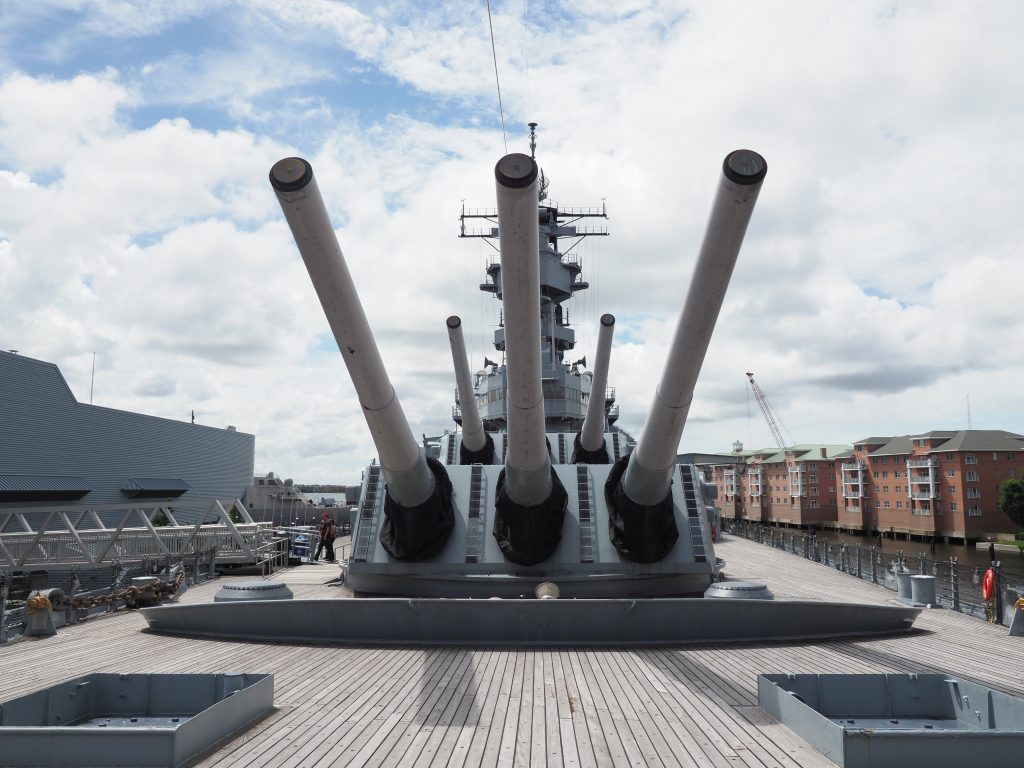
column 877, row 290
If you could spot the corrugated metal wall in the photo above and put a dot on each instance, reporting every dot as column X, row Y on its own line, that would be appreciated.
column 44, row 430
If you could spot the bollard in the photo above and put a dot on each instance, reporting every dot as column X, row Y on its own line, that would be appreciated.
column 922, row 589
column 1017, row 619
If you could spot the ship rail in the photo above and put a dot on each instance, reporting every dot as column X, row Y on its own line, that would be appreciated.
column 957, row 585
column 139, row 533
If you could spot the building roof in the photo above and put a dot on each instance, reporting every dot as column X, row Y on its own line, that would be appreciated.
column 43, row 487
column 872, row 441
column 982, row 440
column 140, row 487
column 895, row 446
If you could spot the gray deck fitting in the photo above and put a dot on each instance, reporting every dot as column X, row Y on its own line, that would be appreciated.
column 905, row 720
column 135, row 720
column 621, row 622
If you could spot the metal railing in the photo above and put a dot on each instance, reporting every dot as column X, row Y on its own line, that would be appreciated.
column 96, row 591
column 59, row 541
column 956, row 587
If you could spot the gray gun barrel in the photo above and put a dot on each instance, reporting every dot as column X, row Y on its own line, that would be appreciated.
column 592, row 432
column 473, row 435
column 649, row 474
column 409, row 480
column 527, row 464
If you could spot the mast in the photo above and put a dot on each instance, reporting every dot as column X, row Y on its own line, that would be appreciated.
column 566, row 388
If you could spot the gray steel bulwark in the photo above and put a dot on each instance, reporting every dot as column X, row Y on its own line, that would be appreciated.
column 130, row 720
column 665, row 621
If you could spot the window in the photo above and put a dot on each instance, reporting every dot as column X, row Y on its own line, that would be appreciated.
column 814, row 491
column 974, row 511
column 995, row 456
column 899, row 505
column 973, row 493
column 814, row 479
column 886, row 504
column 952, row 489
column 897, row 474
column 949, row 457
column 1011, row 473
column 952, row 506
column 1010, row 457
column 972, row 476
column 831, row 489
column 885, row 489
column 885, row 475
column 874, row 475
column 970, row 458
column 814, row 503
column 950, row 472
column 878, row 504
column 995, row 473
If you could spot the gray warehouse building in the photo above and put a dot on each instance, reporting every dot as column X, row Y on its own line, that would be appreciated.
column 58, row 452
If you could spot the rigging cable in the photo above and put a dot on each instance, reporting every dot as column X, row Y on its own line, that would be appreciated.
column 494, row 54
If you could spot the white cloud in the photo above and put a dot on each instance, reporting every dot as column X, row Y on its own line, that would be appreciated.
column 875, row 290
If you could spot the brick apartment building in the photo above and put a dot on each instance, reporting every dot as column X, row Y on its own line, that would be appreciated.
column 943, row 484
column 794, row 486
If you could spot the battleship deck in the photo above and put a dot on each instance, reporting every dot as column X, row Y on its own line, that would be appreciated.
column 689, row 706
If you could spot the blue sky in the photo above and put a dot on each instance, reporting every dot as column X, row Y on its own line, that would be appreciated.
column 876, row 288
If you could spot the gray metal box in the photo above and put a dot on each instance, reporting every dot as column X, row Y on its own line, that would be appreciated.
column 905, row 720
column 130, row 720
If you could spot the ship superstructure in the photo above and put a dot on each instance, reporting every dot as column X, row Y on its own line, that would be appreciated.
column 567, row 385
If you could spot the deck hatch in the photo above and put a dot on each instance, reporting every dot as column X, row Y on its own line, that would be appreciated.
column 911, row 720
column 130, row 720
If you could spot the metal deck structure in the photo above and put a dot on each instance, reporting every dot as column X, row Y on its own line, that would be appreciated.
column 83, row 538
column 490, row 706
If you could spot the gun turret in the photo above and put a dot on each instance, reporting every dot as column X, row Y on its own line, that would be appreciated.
column 643, row 526
column 530, row 501
column 418, row 495
column 477, row 446
column 589, row 445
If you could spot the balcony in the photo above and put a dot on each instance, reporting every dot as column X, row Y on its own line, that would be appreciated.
column 924, row 495
column 853, row 493
column 930, row 462
column 922, row 479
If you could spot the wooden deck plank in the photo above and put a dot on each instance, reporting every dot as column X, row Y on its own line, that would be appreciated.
column 458, row 707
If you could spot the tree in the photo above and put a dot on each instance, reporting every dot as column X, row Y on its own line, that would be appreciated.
column 1011, row 500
